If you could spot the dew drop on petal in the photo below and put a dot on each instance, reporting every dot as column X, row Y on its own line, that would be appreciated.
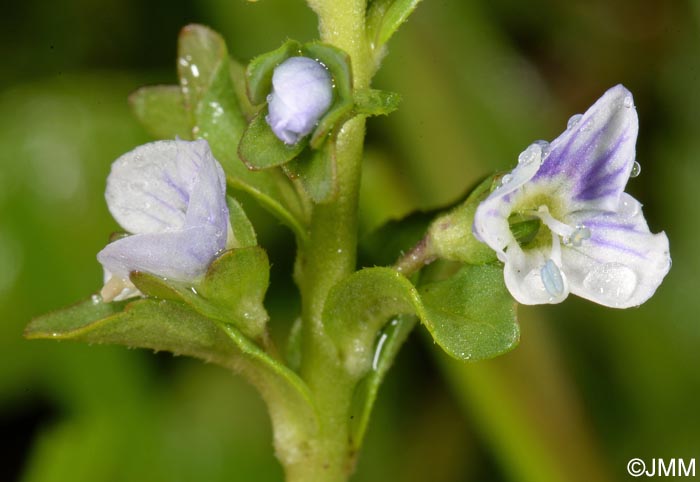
column 544, row 145
column 552, row 279
column 612, row 283
column 628, row 102
column 533, row 153
column 506, row 179
column 573, row 120
column 636, row 169
column 628, row 207
column 580, row 234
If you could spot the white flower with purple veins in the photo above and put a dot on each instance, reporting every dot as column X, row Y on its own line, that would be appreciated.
column 171, row 197
column 302, row 91
column 593, row 240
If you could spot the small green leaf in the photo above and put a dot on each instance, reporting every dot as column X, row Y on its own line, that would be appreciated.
column 236, row 282
column 338, row 113
column 315, row 169
column 471, row 315
column 238, row 79
column 372, row 102
column 338, row 64
column 389, row 341
column 260, row 69
column 161, row 110
column 163, row 325
column 261, row 149
column 243, row 230
column 232, row 290
column 386, row 16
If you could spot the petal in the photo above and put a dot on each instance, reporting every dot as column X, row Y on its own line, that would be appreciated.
column 491, row 217
column 592, row 160
column 523, row 273
column 207, row 203
column 149, row 188
column 180, row 256
column 302, row 93
column 622, row 263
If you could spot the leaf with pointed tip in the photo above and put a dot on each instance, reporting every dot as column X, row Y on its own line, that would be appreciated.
column 260, row 148
column 373, row 102
column 161, row 111
column 316, row 171
column 389, row 341
column 260, row 69
column 384, row 17
column 232, row 290
column 243, row 230
column 216, row 115
column 338, row 64
column 164, row 325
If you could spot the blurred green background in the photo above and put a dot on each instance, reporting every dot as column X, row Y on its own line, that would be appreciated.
column 587, row 389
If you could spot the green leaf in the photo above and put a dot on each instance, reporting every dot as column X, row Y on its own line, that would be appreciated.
column 338, row 64
column 161, row 110
column 471, row 315
column 389, row 341
column 260, row 69
column 316, row 171
column 216, row 115
column 243, row 230
column 384, row 17
column 373, row 102
column 164, row 325
column 238, row 79
column 232, row 291
column 260, row 148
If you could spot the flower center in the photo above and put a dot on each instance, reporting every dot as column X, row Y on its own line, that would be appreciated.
column 550, row 271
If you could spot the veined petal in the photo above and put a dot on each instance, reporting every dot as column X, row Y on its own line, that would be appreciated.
column 491, row 217
column 149, row 188
column 591, row 161
column 526, row 277
column 622, row 263
column 181, row 256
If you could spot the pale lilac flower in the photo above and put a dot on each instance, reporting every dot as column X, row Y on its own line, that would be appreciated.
column 171, row 196
column 593, row 240
column 302, row 91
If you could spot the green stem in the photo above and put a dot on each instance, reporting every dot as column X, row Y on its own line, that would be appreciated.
column 328, row 257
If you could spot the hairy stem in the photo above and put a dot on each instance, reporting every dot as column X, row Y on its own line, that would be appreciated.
column 328, row 257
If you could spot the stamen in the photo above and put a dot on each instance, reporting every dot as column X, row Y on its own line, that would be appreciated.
column 552, row 279
column 563, row 230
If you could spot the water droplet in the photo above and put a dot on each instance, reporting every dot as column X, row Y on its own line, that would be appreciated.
column 612, row 283
column 95, row 299
column 552, row 279
column 195, row 70
column 544, row 145
column 636, row 169
column 533, row 153
column 573, row 120
column 580, row 234
column 628, row 102
column 629, row 207
column 193, row 290
column 506, row 179
column 378, row 351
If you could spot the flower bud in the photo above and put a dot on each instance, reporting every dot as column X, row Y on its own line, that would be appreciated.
column 302, row 91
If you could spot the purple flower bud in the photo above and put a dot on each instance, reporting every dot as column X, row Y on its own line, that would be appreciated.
column 302, row 91
column 171, row 196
